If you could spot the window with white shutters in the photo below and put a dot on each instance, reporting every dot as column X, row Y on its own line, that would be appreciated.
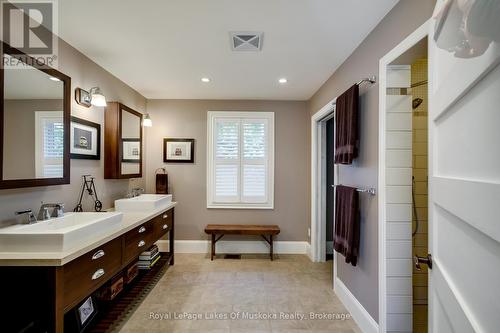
column 49, row 145
column 240, row 160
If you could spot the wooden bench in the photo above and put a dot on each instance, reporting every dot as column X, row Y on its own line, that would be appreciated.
column 241, row 229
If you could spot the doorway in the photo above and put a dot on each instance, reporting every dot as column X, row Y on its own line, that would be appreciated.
column 403, row 185
column 323, row 175
column 330, row 190
column 407, row 166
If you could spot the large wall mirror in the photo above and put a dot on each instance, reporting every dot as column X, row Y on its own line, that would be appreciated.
column 34, row 123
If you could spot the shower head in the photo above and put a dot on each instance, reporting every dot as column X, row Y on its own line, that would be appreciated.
column 416, row 103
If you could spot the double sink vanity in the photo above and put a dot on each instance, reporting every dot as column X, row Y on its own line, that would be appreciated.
column 49, row 267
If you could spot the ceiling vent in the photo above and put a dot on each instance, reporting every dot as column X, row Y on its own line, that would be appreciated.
column 246, row 41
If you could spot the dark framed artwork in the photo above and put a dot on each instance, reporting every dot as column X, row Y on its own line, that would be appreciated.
column 82, row 315
column 178, row 150
column 85, row 139
column 131, row 150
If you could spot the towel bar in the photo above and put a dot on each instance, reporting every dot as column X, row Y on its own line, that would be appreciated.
column 371, row 80
column 371, row 190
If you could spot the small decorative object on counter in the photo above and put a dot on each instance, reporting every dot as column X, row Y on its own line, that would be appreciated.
column 88, row 185
column 161, row 181
column 111, row 289
column 148, row 258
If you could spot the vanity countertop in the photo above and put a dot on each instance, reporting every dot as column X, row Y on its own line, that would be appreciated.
column 130, row 221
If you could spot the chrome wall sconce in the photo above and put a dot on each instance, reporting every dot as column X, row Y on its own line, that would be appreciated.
column 92, row 97
column 146, row 121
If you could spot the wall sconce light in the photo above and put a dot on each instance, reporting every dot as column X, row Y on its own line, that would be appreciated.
column 146, row 121
column 92, row 97
column 97, row 98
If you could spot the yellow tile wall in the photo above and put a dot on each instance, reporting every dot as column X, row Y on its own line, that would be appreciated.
column 420, row 172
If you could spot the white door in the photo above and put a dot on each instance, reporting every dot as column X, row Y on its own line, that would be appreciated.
column 464, row 167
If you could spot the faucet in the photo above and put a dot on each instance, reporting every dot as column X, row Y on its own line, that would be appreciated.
column 44, row 214
column 25, row 216
column 135, row 192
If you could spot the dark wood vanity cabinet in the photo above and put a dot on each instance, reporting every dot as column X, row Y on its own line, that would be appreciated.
column 43, row 294
column 122, row 142
column 143, row 236
column 137, row 240
column 87, row 272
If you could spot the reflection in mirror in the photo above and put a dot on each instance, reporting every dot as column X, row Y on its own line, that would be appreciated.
column 131, row 142
column 33, row 144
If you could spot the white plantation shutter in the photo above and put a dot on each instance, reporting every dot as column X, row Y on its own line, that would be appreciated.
column 255, row 160
column 240, row 160
column 227, row 156
column 49, row 146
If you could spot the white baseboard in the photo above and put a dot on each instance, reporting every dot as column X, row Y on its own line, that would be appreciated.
column 203, row 246
column 362, row 318
column 308, row 251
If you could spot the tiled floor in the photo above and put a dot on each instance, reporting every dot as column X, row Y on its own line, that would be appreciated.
column 253, row 285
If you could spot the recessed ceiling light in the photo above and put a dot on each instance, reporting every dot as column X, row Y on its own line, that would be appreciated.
column 283, row 80
column 205, row 79
column 54, row 79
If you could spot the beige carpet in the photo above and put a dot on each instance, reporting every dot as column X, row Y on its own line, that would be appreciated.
column 248, row 295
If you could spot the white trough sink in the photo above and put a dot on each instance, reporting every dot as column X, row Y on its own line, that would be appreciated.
column 57, row 234
column 143, row 202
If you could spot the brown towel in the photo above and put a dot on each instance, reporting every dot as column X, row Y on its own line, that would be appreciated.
column 346, row 238
column 161, row 183
column 346, row 126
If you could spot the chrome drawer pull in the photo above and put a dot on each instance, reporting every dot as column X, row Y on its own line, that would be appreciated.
column 165, row 226
column 141, row 243
column 142, row 229
column 165, row 216
column 98, row 274
column 98, row 254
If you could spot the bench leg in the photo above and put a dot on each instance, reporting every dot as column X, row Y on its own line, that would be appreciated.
column 213, row 248
column 271, row 246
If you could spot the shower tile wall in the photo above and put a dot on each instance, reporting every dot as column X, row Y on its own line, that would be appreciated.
column 419, row 149
column 398, row 195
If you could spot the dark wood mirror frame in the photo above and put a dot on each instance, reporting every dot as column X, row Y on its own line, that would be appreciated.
column 65, row 179
column 113, row 141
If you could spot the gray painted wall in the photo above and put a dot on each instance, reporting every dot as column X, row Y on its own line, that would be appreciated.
column 401, row 21
column 188, row 119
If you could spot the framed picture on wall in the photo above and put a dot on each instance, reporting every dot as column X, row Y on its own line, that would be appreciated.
column 178, row 150
column 85, row 139
column 81, row 316
column 131, row 150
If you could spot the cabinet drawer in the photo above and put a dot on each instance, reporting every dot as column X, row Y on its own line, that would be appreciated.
column 138, row 240
column 162, row 224
column 87, row 272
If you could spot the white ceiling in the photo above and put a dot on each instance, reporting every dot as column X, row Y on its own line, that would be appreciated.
column 163, row 48
column 31, row 84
